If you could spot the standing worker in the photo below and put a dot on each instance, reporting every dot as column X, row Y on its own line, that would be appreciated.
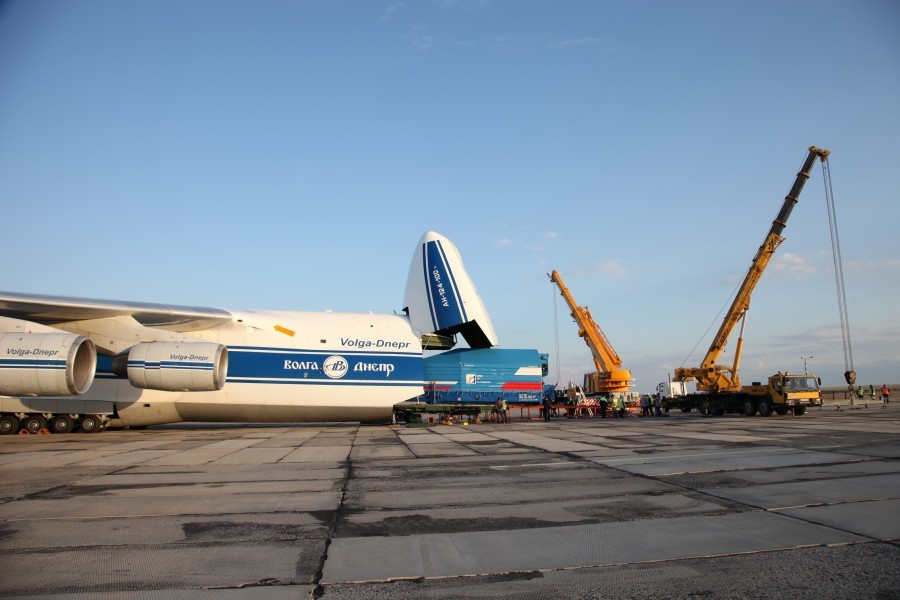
column 859, row 393
column 885, row 394
column 504, row 409
column 871, row 393
column 548, row 406
column 604, row 403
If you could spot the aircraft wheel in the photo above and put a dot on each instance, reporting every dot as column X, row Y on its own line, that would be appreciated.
column 765, row 409
column 685, row 409
column 8, row 424
column 89, row 424
column 33, row 423
column 61, row 424
column 749, row 408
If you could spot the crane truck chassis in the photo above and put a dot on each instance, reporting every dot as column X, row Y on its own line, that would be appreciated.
column 782, row 393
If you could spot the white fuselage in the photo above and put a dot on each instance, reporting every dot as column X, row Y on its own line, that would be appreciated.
column 288, row 367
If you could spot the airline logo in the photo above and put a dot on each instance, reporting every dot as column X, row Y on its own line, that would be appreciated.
column 32, row 352
column 283, row 365
column 379, row 343
column 335, row 367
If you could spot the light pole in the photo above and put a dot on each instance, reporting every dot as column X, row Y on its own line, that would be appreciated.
column 804, row 359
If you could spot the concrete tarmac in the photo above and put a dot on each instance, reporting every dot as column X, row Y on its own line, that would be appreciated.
column 669, row 507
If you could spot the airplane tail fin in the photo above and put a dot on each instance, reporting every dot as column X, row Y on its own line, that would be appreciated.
column 441, row 298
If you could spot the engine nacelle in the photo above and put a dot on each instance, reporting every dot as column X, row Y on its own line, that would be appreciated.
column 178, row 366
column 46, row 364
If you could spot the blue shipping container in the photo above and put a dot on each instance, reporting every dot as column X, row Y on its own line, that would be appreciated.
column 483, row 375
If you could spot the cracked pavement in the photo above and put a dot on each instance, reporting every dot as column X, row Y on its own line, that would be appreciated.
column 682, row 505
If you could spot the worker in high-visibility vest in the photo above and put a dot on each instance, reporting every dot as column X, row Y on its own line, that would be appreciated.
column 620, row 406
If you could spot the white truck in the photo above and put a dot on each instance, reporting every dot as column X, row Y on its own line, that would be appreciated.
column 670, row 389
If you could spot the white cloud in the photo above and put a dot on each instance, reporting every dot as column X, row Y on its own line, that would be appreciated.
column 463, row 4
column 550, row 235
column 585, row 41
column 420, row 38
column 609, row 267
column 503, row 242
column 793, row 264
column 861, row 267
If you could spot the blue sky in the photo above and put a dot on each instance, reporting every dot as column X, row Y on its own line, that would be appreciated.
column 289, row 155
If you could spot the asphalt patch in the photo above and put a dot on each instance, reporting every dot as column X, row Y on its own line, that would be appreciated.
column 77, row 491
column 217, row 531
column 418, row 524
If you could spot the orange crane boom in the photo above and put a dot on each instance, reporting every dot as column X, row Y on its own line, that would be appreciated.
column 712, row 377
column 609, row 377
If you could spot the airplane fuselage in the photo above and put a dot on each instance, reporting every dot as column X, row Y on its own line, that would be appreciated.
column 287, row 367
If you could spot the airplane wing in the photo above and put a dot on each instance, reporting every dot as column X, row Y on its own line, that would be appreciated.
column 50, row 344
column 49, row 310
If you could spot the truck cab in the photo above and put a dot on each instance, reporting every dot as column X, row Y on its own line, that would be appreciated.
column 787, row 392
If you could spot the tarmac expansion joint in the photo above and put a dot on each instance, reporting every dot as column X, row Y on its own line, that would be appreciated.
column 538, row 573
column 318, row 587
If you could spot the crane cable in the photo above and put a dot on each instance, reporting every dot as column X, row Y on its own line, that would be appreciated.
column 555, row 329
column 712, row 323
column 849, row 374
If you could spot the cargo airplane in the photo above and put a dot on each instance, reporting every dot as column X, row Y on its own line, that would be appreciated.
column 78, row 364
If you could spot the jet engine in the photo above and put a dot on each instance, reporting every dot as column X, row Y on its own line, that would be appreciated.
column 178, row 366
column 46, row 364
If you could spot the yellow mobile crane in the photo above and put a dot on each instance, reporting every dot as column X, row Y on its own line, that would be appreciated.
column 609, row 377
column 721, row 382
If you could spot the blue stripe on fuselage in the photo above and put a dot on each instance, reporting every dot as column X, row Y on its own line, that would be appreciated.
column 31, row 363
column 253, row 364
column 291, row 365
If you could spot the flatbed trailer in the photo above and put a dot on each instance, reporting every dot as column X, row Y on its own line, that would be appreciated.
column 413, row 412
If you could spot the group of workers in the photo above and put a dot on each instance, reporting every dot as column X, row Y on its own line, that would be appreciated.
column 885, row 394
column 651, row 405
column 612, row 408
